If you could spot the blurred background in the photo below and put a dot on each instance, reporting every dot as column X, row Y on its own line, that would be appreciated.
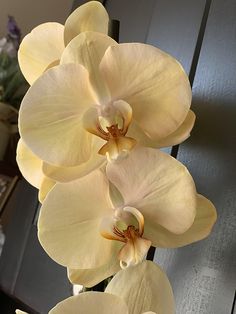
column 29, row 14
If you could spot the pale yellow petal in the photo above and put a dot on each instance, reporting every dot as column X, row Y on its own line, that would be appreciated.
column 20, row 312
column 39, row 49
column 180, row 134
column 70, row 219
column 91, row 16
column 201, row 228
column 46, row 186
column 159, row 186
column 135, row 131
column 91, row 303
column 152, row 82
column 87, row 49
column 91, row 277
column 66, row 174
column 144, row 287
column 50, row 117
column 29, row 164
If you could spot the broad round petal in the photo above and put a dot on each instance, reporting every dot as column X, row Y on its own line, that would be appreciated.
column 66, row 174
column 177, row 137
column 91, row 16
column 181, row 133
column 152, row 82
column 50, row 118
column 43, row 46
column 70, row 219
column 87, row 49
column 144, row 287
column 91, row 277
column 91, row 303
column 29, row 164
column 200, row 229
column 159, row 186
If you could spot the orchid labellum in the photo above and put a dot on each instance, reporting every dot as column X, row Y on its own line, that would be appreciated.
column 43, row 47
column 107, row 220
column 143, row 289
column 102, row 99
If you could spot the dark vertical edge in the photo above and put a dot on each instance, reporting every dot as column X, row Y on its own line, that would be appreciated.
column 175, row 149
column 199, row 42
column 113, row 29
column 233, row 305
column 151, row 253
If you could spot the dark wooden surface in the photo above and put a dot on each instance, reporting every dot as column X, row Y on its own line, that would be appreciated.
column 204, row 277
column 202, row 36
column 27, row 274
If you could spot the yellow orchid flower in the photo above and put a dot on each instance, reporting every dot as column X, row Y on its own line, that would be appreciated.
column 125, row 294
column 101, row 222
column 105, row 97
column 43, row 47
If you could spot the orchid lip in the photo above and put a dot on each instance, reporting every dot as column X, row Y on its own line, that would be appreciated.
column 111, row 122
column 135, row 247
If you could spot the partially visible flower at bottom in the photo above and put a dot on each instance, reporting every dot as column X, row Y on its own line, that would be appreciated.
column 141, row 289
column 147, row 198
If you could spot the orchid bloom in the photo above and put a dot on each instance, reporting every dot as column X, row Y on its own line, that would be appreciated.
column 108, row 219
column 125, row 294
column 43, row 47
column 104, row 98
